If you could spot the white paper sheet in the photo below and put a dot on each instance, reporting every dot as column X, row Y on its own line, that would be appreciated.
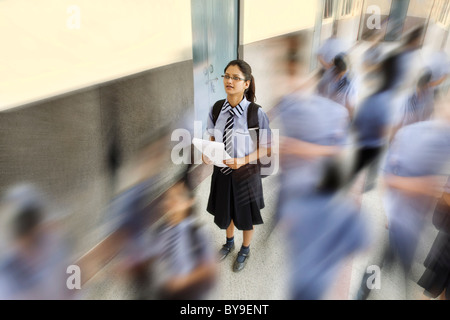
column 215, row 151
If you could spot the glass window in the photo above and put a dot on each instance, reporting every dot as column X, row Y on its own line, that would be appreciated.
column 328, row 9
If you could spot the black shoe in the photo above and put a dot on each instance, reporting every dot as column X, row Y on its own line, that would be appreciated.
column 225, row 251
column 241, row 260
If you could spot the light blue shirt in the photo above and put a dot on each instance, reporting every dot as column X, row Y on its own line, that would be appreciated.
column 313, row 119
column 418, row 107
column 329, row 88
column 419, row 149
column 243, row 144
column 175, row 248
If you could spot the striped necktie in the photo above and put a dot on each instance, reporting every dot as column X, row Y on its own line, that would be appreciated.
column 228, row 140
column 341, row 87
column 412, row 112
column 171, row 245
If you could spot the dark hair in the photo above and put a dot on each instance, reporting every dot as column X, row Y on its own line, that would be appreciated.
column 27, row 220
column 332, row 178
column 425, row 78
column 247, row 71
column 340, row 62
column 389, row 72
column 29, row 208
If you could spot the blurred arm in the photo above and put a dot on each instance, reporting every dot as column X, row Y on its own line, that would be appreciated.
column 300, row 148
column 236, row 163
column 325, row 64
column 423, row 185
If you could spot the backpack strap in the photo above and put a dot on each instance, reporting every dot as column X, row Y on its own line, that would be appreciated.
column 216, row 110
column 252, row 119
column 252, row 115
column 253, row 123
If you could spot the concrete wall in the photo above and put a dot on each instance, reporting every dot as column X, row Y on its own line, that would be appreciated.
column 58, row 146
column 62, row 144
column 81, row 78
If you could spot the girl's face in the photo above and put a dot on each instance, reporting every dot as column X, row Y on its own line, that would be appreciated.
column 235, row 86
column 177, row 204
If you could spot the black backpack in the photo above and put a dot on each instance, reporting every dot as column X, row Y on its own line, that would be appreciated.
column 252, row 123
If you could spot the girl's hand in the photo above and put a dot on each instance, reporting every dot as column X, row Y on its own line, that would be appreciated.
column 206, row 160
column 235, row 163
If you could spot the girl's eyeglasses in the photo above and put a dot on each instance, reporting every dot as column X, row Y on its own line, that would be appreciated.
column 226, row 76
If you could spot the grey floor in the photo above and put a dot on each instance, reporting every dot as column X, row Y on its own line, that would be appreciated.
column 266, row 276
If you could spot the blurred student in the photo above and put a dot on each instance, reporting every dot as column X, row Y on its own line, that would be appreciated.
column 419, row 106
column 184, row 264
column 135, row 209
column 322, row 230
column 438, row 62
column 373, row 55
column 414, row 167
column 330, row 48
column 313, row 129
column 436, row 278
column 35, row 264
column 409, row 61
column 420, row 103
column 339, row 85
column 373, row 123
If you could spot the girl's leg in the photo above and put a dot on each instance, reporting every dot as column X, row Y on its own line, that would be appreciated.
column 244, row 252
column 230, row 230
column 229, row 245
column 248, row 234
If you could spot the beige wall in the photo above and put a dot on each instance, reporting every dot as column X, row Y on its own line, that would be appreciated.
column 44, row 53
column 420, row 8
column 447, row 45
column 434, row 37
column 263, row 19
column 384, row 5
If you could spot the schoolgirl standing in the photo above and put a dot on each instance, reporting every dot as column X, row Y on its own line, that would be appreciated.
column 236, row 195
